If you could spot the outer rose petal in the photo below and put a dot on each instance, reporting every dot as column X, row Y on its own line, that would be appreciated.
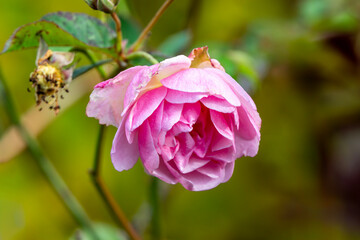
column 106, row 101
column 199, row 80
column 123, row 154
column 247, row 137
column 245, row 99
column 138, row 85
column 229, row 169
column 150, row 78
column 173, row 65
column 196, row 181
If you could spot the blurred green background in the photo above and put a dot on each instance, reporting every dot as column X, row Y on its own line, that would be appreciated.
column 300, row 60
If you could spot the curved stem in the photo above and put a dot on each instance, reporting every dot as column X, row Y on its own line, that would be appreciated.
column 53, row 177
column 116, row 212
column 141, row 54
column 92, row 59
column 118, row 43
column 150, row 25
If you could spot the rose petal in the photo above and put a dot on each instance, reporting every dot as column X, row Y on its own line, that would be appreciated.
column 196, row 181
column 194, row 163
column 164, row 174
column 106, row 101
column 169, row 149
column 217, row 104
column 202, row 143
column 155, row 121
column 216, row 64
column 148, row 153
column 200, row 80
column 246, row 147
column 174, row 96
column 190, row 113
column 139, row 85
column 244, row 97
column 221, row 124
column 186, row 147
column 172, row 114
column 219, row 142
column 144, row 107
column 212, row 169
column 246, row 129
column 149, row 78
column 180, row 127
column 173, row 65
column 226, row 155
column 229, row 169
column 123, row 155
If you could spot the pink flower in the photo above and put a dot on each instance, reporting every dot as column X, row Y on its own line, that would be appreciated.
column 185, row 118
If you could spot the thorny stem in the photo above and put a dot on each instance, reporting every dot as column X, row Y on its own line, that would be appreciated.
column 141, row 54
column 150, row 25
column 53, row 177
column 109, row 200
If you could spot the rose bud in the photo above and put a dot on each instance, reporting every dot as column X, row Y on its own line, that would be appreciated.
column 106, row 6
column 186, row 119
column 52, row 75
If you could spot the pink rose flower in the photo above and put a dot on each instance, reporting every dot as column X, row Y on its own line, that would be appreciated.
column 185, row 118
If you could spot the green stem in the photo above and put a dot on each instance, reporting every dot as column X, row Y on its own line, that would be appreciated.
column 137, row 44
column 92, row 59
column 115, row 210
column 155, row 209
column 96, row 166
column 53, row 177
column 141, row 54
column 117, row 21
column 110, row 202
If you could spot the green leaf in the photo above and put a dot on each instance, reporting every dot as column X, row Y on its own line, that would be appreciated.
column 64, row 29
column 85, row 28
column 175, row 43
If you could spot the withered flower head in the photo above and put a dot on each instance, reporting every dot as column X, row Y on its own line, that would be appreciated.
column 51, row 76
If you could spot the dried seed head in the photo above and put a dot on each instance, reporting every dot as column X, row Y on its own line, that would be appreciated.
column 51, row 75
column 47, row 79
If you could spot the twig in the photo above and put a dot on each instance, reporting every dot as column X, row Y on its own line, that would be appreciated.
column 53, row 177
column 109, row 200
column 150, row 25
